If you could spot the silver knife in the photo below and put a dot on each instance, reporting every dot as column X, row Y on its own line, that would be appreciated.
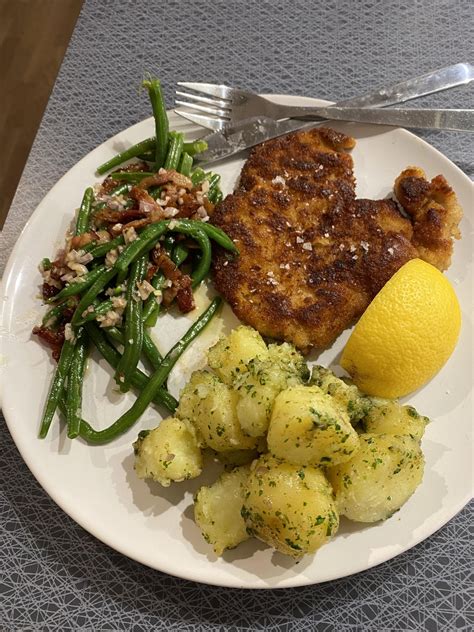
column 250, row 132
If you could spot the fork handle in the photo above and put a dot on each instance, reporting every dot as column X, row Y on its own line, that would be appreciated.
column 435, row 81
column 436, row 118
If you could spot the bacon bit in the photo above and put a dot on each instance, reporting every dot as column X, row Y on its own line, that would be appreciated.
column 181, row 284
column 79, row 241
column 53, row 339
column 151, row 272
column 108, row 216
column 163, row 177
column 109, row 183
column 48, row 291
column 147, row 205
column 137, row 223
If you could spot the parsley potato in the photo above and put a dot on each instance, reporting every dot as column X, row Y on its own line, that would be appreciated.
column 389, row 417
column 259, row 385
column 229, row 356
column 308, row 427
column 343, row 391
column 379, row 479
column 217, row 510
column 211, row 406
column 290, row 507
column 168, row 453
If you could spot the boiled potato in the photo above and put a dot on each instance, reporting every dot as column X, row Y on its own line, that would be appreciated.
column 217, row 510
column 261, row 383
column 168, row 453
column 230, row 354
column 211, row 406
column 343, row 391
column 289, row 507
column 287, row 357
column 232, row 458
column 389, row 417
column 380, row 477
column 307, row 427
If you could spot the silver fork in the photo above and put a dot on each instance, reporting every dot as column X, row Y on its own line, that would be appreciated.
column 223, row 105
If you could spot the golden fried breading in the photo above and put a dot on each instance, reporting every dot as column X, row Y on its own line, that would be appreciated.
column 435, row 212
column 312, row 257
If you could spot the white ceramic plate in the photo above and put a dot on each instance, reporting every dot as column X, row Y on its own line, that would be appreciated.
column 97, row 486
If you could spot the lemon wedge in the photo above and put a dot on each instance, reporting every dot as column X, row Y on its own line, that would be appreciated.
column 406, row 334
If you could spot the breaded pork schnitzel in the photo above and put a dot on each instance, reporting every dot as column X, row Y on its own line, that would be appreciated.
column 312, row 256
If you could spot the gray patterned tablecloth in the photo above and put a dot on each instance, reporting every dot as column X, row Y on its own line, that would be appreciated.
column 54, row 575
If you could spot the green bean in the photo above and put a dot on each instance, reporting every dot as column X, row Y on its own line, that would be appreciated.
column 204, row 264
column 149, row 348
column 99, row 250
column 219, row 236
column 74, row 383
column 152, row 307
column 185, row 164
column 149, row 156
column 143, row 243
column 133, row 177
column 197, row 176
column 114, row 334
column 77, row 287
column 168, row 242
column 195, row 147
column 112, row 356
column 87, row 299
column 132, row 345
column 83, row 217
column 175, row 149
column 179, row 254
column 131, row 152
column 100, row 309
column 119, row 190
column 146, row 150
column 128, row 419
column 56, row 388
column 213, row 179
column 161, row 120
column 148, row 238
column 55, row 312
column 151, row 351
column 215, row 195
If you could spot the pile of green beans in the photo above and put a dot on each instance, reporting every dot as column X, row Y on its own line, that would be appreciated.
column 91, row 297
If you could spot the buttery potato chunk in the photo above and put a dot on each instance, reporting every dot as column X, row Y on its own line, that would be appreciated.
column 379, row 479
column 307, row 427
column 229, row 356
column 345, row 393
column 387, row 416
column 211, row 406
column 217, row 510
column 290, row 507
column 168, row 453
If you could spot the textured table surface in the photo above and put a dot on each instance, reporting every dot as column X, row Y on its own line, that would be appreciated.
column 54, row 575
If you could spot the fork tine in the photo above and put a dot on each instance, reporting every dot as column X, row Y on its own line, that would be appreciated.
column 212, row 89
column 209, row 122
column 204, row 108
column 196, row 97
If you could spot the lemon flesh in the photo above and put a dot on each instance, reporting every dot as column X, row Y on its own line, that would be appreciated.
column 406, row 334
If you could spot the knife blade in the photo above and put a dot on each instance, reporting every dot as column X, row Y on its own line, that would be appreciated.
column 248, row 133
